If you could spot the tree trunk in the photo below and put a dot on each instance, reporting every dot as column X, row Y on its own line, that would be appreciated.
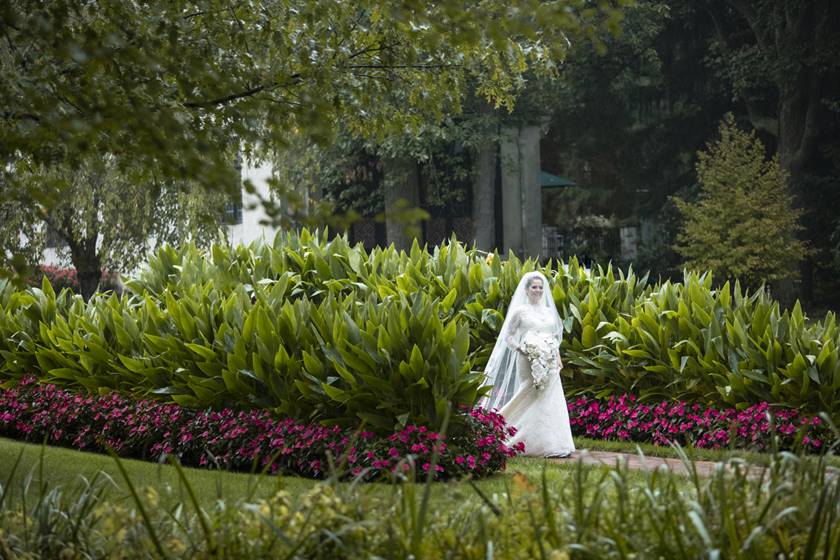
column 799, row 109
column 401, row 184
column 484, row 198
column 795, row 37
column 798, row 129
column 88, row 266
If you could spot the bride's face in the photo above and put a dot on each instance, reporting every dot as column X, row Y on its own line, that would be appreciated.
column 535, row 290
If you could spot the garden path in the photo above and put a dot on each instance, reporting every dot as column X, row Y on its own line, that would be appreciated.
column 634, row 461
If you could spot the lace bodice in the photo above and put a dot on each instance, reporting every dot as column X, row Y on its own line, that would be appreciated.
column 530, row 318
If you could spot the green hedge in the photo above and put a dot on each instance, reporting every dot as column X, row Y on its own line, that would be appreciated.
column 382, row 360
column 319, row 329
column 722, row 345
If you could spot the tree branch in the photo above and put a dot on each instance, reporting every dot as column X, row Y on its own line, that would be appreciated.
column 749, row 14
column 245, row 36
column 371, row 48
column 762, row 122
column 10, row 115
column 14, row 49
column 293, row 80
column 811, row 128
column 403, row 66
column 225, row 99
column 208, row 12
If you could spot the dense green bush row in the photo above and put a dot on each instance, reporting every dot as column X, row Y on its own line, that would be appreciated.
column 689, row 340
column 316, row 328
column 378, row 360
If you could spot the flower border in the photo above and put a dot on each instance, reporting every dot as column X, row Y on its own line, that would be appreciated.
column 235, row 440
column 623, row 418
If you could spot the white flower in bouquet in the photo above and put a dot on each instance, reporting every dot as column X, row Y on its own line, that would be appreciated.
column 541, row 350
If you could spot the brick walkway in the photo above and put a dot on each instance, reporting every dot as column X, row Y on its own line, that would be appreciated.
column 634, row 461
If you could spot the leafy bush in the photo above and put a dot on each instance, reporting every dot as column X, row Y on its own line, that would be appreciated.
column 624, row 418
column 692, row 342
column 236, row 440
column 316, row 329
column 381, row 360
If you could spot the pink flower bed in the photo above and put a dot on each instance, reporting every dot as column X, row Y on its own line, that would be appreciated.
column 60, row 278
column 234, row 440
column 623, row 418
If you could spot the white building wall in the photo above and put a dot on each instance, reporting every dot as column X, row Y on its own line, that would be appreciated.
column 51, row 258
column 253, row 214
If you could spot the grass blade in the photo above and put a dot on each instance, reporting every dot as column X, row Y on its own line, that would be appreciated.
column 143, row 513
column 202, row 519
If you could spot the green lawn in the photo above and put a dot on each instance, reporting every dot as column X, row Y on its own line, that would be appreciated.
column 64, row 467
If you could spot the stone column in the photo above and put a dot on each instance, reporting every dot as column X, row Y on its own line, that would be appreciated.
column 401, row 188
column 510, row 161
column 529, row 140
column 484, row 198
column 521, row 190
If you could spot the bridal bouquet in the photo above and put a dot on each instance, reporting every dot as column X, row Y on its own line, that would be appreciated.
column 541, row 350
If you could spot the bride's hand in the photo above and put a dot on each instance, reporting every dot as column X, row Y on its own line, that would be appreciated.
column 559, row 362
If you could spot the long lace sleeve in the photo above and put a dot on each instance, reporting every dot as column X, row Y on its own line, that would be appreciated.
column 511, row 333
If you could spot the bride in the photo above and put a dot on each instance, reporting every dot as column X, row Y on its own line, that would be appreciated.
column 524, row 372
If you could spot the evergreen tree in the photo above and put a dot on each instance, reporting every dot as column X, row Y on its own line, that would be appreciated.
column 743, row 225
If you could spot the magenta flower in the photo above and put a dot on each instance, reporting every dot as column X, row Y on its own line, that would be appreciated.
column 622, row 417
column 235, row 440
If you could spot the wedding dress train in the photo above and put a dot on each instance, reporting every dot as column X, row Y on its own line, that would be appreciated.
column 540, row 416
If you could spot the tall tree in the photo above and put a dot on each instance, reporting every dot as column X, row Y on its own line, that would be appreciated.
column 784, row 67
column 743, row 226
column 105, row 219
column 173, row 84
column 629, row 121
column 782, row 61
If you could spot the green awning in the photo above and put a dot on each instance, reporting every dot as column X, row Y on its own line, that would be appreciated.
column 549, row 181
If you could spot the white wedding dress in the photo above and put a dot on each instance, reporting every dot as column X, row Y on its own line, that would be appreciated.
column 540, row 416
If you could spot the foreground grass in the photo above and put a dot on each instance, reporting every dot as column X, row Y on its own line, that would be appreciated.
column 64, row 467
column 538, row 509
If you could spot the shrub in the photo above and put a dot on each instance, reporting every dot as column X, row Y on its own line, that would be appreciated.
column 59, row 278
column 383, row 361
column 236, row 440
column 314, row 328
column 723, row 346
column 745, row 225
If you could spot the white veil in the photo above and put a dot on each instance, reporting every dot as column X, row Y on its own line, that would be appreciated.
column 500, row 372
